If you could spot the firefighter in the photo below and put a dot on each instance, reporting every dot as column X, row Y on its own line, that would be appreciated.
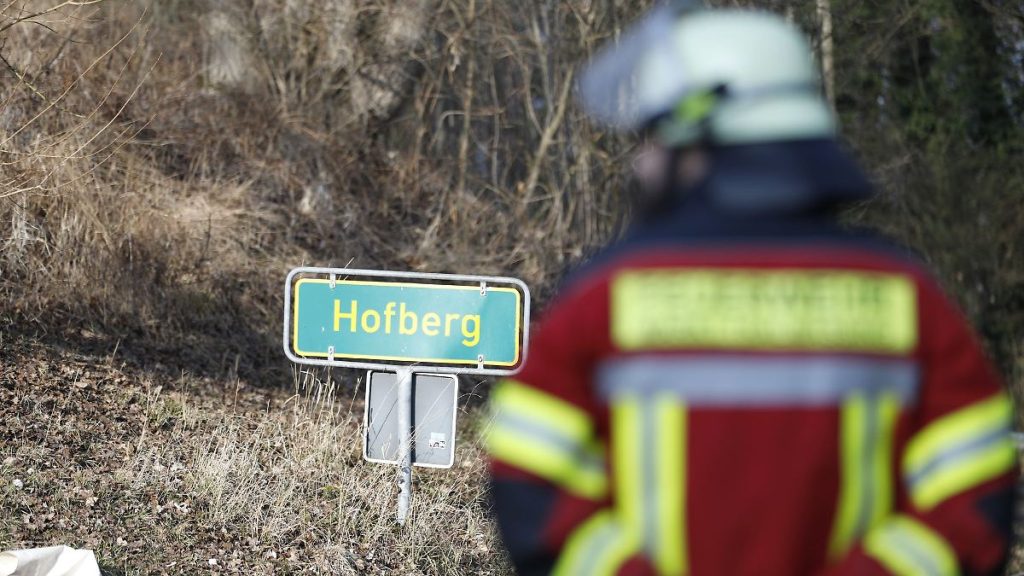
column 742, row 386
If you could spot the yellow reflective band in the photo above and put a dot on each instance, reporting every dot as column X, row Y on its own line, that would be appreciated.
column 627, row 451
column 851, row 439
column 563, row 469
column 888, row 410
column 907, row 547
column 866, row 429
column 979, row 467
column 974, row 420
column 776, row 309
column 553, row 412
column 549, row 437
column 959, row 451
column 598, row 547
column 649, row 444
column 670, row 543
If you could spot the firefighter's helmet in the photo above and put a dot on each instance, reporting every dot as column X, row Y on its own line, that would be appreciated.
column 719, row 76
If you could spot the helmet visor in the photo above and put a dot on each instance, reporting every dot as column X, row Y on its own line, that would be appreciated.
column 629, row 83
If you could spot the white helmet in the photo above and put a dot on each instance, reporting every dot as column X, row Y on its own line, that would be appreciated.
column 719, row 76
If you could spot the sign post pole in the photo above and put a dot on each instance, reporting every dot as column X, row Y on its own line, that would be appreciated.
column 404, row 442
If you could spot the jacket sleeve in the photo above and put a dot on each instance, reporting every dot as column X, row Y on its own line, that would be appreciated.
column 548, row 460
column 957, row 467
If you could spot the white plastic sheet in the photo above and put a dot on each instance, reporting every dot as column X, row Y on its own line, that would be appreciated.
column 54, row 561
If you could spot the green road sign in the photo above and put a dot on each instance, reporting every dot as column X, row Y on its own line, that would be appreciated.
column 383, row 319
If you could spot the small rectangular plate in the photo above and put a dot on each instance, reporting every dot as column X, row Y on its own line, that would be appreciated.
column 434, row 404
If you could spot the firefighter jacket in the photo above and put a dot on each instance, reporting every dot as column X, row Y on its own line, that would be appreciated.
column 753, row 393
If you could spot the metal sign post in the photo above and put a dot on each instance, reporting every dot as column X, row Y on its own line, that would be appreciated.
column 409, row 421
column 405, row 442
column 420, row 328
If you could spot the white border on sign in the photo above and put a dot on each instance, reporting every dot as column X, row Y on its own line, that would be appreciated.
column 339, row 273
column 366, row 421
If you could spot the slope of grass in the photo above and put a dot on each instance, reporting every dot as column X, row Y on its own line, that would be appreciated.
column 163, row 474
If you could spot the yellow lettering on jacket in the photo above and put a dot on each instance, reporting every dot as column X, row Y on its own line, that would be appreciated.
column 765, row 309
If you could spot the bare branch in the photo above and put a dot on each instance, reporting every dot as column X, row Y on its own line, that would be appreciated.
column 50, row 10
column 21, row 78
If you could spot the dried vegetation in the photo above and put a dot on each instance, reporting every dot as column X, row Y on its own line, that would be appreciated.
column 166, row 162
column 181, row 475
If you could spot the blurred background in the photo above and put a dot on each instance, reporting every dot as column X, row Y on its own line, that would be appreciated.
column 164, row 163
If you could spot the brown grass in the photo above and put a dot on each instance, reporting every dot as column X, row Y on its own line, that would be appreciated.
column 164, row 164
column 161, row 475
column 163, row 170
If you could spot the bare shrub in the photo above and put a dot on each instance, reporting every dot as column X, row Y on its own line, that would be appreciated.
column 202, row 148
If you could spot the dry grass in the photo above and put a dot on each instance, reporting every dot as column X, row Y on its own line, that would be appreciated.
column 162, row 475
column 165, row 163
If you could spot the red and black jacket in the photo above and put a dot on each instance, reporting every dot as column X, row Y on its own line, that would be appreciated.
column 753, row 393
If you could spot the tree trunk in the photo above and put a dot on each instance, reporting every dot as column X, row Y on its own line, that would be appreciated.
column 827, row 50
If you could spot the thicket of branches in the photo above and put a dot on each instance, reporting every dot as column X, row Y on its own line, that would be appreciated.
column 164, row 162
